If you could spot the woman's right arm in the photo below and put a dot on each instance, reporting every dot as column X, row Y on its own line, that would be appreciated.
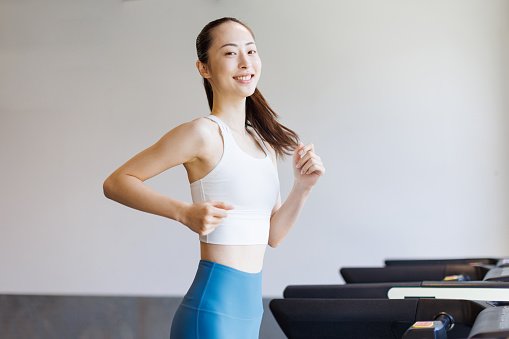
column 184, row 144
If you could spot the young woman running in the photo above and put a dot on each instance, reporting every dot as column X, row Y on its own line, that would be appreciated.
column 230, row 159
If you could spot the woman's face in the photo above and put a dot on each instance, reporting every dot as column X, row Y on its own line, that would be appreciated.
column 234, row 66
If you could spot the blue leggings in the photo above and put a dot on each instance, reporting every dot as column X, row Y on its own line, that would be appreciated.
column 222, row 303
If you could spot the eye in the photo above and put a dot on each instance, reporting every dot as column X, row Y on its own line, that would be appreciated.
column 229, row 53
column 252, row 52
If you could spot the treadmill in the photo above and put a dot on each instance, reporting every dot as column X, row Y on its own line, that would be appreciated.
column 435, row 270
column 426, row 309
column 390, row 319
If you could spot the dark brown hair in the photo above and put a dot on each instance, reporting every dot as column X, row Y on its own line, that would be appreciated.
column 259, row 115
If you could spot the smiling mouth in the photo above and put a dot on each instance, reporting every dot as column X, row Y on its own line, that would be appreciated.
column 244, row 77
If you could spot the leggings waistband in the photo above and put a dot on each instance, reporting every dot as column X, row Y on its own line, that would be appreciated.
column 225, row 290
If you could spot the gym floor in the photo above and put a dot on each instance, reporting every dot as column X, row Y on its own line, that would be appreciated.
column 98, row 317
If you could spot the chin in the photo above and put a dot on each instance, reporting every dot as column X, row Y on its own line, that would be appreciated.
column 250, row 92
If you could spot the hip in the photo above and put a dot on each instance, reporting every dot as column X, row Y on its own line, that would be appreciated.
column 224, row 290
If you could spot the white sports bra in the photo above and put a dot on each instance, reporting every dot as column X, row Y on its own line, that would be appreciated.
column 250, row 184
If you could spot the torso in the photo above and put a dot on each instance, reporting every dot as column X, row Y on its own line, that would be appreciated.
column 248, row 258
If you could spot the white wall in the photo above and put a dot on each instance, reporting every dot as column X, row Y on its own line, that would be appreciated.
column 406, row 102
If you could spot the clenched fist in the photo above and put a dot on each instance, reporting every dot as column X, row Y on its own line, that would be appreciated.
column 203, row 217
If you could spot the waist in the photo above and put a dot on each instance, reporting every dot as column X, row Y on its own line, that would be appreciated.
column 246, row 258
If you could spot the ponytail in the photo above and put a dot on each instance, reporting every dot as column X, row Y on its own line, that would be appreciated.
column 263, row 120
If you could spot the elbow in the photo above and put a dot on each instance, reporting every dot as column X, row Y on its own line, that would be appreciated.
column 273, row 243
column 108, row 187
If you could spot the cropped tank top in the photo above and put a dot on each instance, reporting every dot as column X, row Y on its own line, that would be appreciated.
column 250, row 184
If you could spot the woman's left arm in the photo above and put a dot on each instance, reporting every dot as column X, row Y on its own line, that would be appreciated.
column 308, row 168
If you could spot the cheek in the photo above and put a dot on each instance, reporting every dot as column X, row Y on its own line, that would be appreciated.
column 257, row 63
column 225, row 68
column 218, row 73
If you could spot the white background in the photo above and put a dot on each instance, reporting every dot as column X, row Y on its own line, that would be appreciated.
column 406, row 103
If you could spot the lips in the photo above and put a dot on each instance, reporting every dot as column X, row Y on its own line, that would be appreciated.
column 245, row 77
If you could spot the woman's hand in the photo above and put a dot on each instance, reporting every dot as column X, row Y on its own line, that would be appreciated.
column 204, row 217
column 308, row 166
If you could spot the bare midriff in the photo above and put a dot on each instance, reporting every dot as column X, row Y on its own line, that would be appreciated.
column 247, row 258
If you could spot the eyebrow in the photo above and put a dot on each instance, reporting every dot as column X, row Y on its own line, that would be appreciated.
column 235, row 45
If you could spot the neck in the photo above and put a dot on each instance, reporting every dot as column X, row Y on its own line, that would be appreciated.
column 232, row 112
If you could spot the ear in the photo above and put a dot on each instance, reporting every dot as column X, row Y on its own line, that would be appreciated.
column 203, row 69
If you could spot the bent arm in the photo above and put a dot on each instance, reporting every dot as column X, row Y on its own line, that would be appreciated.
column 132, row 192
column 308, row 168
column 126, row 185
column 287, row 214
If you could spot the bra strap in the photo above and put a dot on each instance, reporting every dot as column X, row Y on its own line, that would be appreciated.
column 260, row 141
column 224, row 127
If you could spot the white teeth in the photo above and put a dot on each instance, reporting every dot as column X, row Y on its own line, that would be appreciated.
column 244, row 78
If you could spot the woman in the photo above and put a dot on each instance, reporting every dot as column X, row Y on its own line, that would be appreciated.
column 230, row 159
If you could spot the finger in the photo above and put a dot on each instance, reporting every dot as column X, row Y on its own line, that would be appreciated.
column 306, row 148
column 216, row 209
column 222, row 205
column 220, row 209
column 219, row 213
column 296, row 155
column 313, row 164
column 307, row 165
column 211, row 223
column 316, row 169
column 309, row 155
column 208, row 230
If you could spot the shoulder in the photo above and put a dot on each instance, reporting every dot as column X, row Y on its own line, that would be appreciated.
column 195, row 131
column 196, row 127
column 202, row 124
column 201, row 137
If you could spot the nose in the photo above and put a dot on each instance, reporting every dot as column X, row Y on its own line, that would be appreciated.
column 244, row 61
